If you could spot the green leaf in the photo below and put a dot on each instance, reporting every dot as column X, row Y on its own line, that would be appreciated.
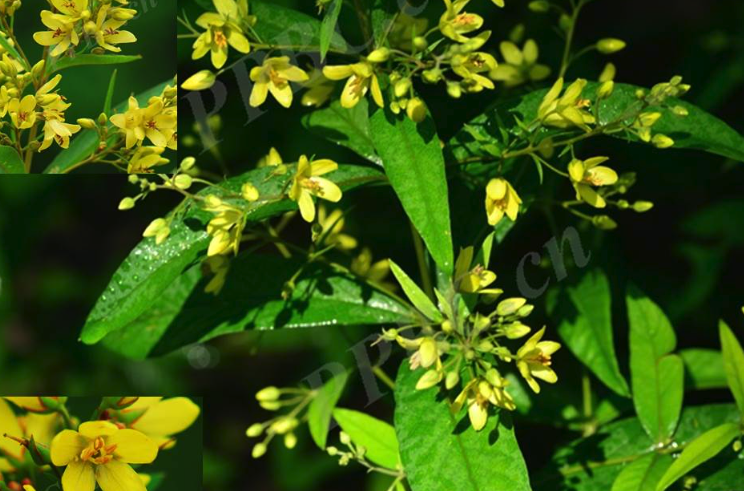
column 703, row 368
column 642, row 474
column 384, row 13
column 586, row 328
column 442, row 452
column 415, row 294
column 346, row 127
column 733, row 359
column 328, row 27
column 701, row 449
column 593, row 463
column 285, row 27
column 10, row 161
column 83, row 145
column 151, row 268
column 251, row 299
column 699, row 130
column 377, row 436
column 657, row 380
column 321, row 408
column 110, row 93
column 90, row 59
column 413, row 162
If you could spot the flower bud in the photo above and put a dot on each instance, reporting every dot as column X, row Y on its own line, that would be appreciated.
column 454, row 90
column 516, row 330
column 539, row 6
column 431, row 76
column 124, row 14
column 87, row 123
column 332, row 451
column 608, row 46
column 98, row 50
column 565, row 22
column 380, row 55
column 90, row 28
column 268, row 394
column 344, row 437
column 126, row 204
column 188, row 163
column 662, row 141
column 429, row 380
column 254, row 430
column 420, row 43
column 605, row 90
column 249, row 192
column 290, row 440
column 155, row 226
column 401, row 87
column 447, row 326
column 680, row 111
column 642, row 206
column 603, row 222
column 183, row 181
column 200, row 81
column 259, row 450
column 416, row 110
column 453, row 378
column 608, row 73
column 623, row 204
column 133, row 179
column 428, row 352
column 38, row 69
column 102, row 119
column 509, row 306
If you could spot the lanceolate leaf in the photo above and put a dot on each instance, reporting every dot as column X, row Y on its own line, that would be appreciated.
column 321, row 408
column 442, row 452
column 657, row 380
column 251, row 300
column 376, row 436
column 701, row 449
column 733, row 359
column 698, row 130
column 643, row 474
column 288, row 28
column 90, row 59
column 593, row 463
column 328, row 26
column 415, row 294
column 346, row 127
column 10, row 161
column 586, row 328
column 85, row 143
column 414, row 165
column 151, row 268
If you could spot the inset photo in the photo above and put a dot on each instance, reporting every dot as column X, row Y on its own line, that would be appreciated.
column 109, row 443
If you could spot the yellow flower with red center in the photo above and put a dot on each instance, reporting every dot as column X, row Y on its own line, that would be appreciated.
column 533, row 360
column 108, row 32
column 501, row 199
column 361, row 77
column 101, row 452
column 61, row 35
column 22, row 112
column 221, row 31
column 274, row 76
column 307, row 183
column 454, row 22
column 587, row 174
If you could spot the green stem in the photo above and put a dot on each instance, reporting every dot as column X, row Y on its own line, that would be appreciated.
column 418, row 245
column 62, row 410
column 586, row 392
column 383, row 377
column 569, row 39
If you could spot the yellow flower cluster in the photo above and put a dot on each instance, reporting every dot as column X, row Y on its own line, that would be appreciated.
column 73, row 19
column 224, row 28
column 459, row 343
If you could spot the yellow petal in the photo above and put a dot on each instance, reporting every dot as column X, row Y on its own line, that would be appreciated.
column 144, row 402
column 602, row 176
column 322, row 166
column 79, row 476
column 544, row 373
column 258, row 94
column 94, row 429
column 352, row 92
column 478, row 416
column 327, row 189
column 117, row 476
column 293, row 74
column 338, row 72
column 283, row 94
column 29, row 403
column 307, row 206
column 376, row 92
column 238, row 41
column 530, row 52
column 41, row 426
column 496, row 189
column 595, row 161
column 168, row 417
column 67, row 446
column 590, row 196
column 511, row 53
column 133, row 447
column 576, row 170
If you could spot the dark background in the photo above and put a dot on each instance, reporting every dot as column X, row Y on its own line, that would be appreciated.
column 62, row 238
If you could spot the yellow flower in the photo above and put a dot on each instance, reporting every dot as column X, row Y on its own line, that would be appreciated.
column 587, row 173
column 361, row 77
column 520, row 66
column 144, row 159
column 100, row 452
column 476, row 279
column 154, row 122
column 61, row 35
column 164, row 418
column 270, row 159
column 74, row 9
column 533, row 360
column 108, row 31
column 9, row 424
column 454, row 22
column 477, row 395
column 274, row 76
column 568, row 110
column 159, row 229
column 376, row 272
column 221, row 30
column 226, row 228
column 22, row 111
column 333, row 225
column 501, row 198
column 469, row 66
column 306, row 184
